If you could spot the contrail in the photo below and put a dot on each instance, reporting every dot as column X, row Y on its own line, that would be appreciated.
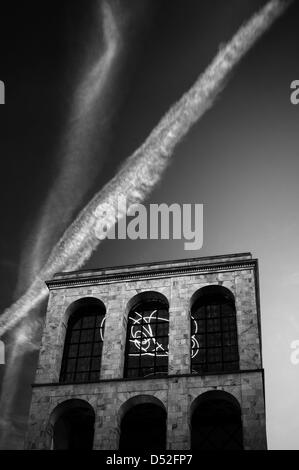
column 142, row 170
column 93, row 108
column 94, row 105
column 23, row 344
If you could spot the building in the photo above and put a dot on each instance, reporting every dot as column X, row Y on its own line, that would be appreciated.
column 153, row 356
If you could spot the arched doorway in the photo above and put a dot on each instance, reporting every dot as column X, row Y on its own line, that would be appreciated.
column 143, row 425
column 73, row 425
column 216, row 422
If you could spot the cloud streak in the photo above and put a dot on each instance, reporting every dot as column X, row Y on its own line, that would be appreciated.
column 94, row 105
column 83, row 148
column 144, row 169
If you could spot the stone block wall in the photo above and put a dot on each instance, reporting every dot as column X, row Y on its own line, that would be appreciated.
column 175, row 393
column 177, row 281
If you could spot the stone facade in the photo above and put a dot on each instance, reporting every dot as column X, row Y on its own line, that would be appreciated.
column 115, row 287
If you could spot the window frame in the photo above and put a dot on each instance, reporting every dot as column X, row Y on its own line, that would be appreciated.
column 147, row 305
column 206, row 302
column 90, row 374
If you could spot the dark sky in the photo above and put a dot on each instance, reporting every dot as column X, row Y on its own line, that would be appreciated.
column 240, row 160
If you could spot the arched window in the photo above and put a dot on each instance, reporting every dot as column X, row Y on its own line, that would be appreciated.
column 216, row 422
column 73, row 425
column 147, row 336
column 84, row 341
column 143, row 426
column 214, row 338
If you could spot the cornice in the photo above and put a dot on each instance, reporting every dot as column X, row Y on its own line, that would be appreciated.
column 150, row 273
